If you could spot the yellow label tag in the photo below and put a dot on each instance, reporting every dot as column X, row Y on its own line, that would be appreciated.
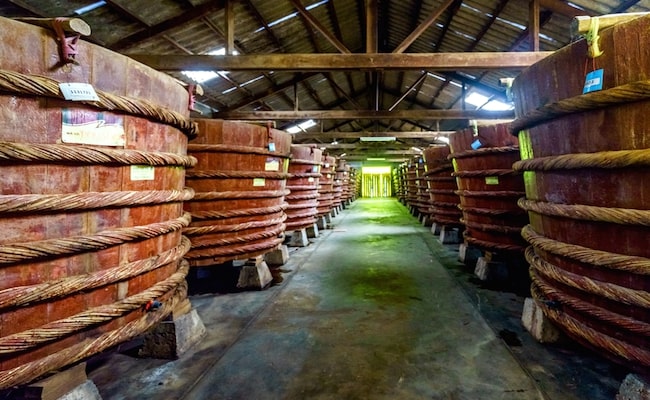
column 272, row 165
column 142, row 173
column 491, row 180
column 259, row 182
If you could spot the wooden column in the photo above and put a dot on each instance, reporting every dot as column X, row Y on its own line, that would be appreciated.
column 230, row 27
column 533, row 24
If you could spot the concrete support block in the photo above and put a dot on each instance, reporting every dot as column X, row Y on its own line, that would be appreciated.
column 279, row 256
column 539, row 326
column 468, row 254
column 491, row 271
column 299, row 238
column 634, row 387
column 328, row 217
column 427, row 221
column 334, row 212
column 312, row 231
column 68, row 384
column 255, row 274
column 435, row 228
column 321, row 222
column 170, row 339
column 449, row 235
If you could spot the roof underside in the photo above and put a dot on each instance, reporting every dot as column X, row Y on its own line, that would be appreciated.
column 279, row 27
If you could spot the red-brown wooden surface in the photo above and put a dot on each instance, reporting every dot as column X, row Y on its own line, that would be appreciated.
column 326, row 185
column 32, row 120
column 244, row 225
column 442, row 186
column 304, row 168
column 488, row 187
column 619, row 327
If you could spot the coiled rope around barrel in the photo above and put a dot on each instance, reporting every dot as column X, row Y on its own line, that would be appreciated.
column 90, row 200
column 622, row 216
column 210, row 229
column 603, row 159
column 580, row 330
column 621, row 294
column 447, row 167
column 23, row 295
column 207, row 174
column 86, row 319
column 485, row 173
column 483, row 151
column 23, row 84
column 173, row 290
column 627, row 93
column 598, row 258
column 201, row 242
column 615, row 319
column 229, row 148
column 17, row 252
column 29, row 152
column 492, row 245
column 491, row 227
column 223, row 254
column 262, row 194
column 234, row 213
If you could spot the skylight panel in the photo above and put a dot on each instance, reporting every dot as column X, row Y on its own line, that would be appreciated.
column 301, row 126
column 203, row 76
column 89, row 7
column 292, row 15
column 483, row 102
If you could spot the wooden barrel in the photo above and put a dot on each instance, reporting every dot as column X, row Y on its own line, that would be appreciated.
column 91, row 199
column 411, row 184
column 240, row 183
column 443, row 199
column 343, row 177
column 489, row 188
column 338, row 185
column 399, row 182
column 586, row 166
column 304, row 169
column 423, row 201
column 326, row 186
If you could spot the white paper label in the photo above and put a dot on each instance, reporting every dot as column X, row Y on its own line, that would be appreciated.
column 76, row 91
column 272, row 165
column 310, row 179
column 142, row 173
column 316, row 168
column 259, row 182
column 92, row 127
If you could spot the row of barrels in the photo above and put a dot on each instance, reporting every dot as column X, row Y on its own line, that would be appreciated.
column 564, row 184
column 109, row 197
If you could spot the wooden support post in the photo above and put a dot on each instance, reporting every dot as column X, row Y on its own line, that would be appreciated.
column 533, row 24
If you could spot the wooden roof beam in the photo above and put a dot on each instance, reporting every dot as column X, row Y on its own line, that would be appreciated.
column 423, row 27
column 319, row 27
column 357, row 135
column 563, row 8
column 341, row 62
column 164, row 26
column 363, row 114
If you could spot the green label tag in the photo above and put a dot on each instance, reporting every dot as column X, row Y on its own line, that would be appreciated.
column 491, row 180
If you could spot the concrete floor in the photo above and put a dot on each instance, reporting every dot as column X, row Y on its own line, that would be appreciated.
column 375, row 308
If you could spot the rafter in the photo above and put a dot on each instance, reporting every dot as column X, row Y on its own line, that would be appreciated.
column 422, row 27
column 356, row 135
column 164, row 26
column 314, row 23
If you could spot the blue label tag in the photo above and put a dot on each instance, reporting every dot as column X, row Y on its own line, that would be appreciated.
column 476, row 144
column 271, row 146
column 593, row 81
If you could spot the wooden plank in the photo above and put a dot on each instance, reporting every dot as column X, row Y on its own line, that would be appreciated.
column 338, row 62
column 580, row 25
column 363, row 114
column 423, row 27
column 372, row 31
column 319, row 27
column 229, row 17
column 533, row 24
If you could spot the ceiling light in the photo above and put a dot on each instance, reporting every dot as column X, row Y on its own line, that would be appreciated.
column 375, row 159
column 419, row 150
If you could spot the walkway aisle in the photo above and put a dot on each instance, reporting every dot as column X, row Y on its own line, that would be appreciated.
column 369, row 315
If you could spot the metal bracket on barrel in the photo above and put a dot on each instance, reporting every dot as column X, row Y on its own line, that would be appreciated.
column 68, row 44
column 193, row 89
